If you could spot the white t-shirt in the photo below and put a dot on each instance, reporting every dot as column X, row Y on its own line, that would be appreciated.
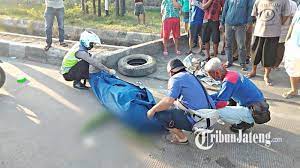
column 286, row 26
column 268, row 15
column 54, row 3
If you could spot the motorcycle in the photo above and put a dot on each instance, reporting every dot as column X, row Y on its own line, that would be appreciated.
column 2, row 76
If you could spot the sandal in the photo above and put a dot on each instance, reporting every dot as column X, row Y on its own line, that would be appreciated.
column 165, row 53
column 268, row 81
column 178, row 52
column 250, row 75
column 289, row 95
column 227, row 65
column 172, row 138
column 189, row 52
column 222, row 52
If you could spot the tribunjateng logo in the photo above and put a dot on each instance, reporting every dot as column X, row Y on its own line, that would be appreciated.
column 205, row 139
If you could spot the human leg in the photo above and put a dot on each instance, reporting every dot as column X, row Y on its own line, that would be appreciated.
column 49, row 18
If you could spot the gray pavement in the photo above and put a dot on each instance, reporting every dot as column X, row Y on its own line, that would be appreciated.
column 41, row 123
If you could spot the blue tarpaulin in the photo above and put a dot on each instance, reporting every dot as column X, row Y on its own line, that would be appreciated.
column 128, row 102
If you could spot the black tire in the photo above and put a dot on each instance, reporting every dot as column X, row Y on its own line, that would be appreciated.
column 2, row 77
column 141, row 65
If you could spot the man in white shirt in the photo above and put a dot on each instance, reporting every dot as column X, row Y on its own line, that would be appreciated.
column 54, row 8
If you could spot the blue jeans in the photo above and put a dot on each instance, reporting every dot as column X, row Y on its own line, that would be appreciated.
column 236, row 114
column 174, row 118
column 240, row 35
column 50, row 13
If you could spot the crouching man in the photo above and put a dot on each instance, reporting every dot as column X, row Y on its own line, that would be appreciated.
column 185, row 89
column 75, row 65
column 252, row 106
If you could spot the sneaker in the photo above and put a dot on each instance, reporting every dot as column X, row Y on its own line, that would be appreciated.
column 63, row 44
column 47, row 47
column 79, row 85
column 241, row 126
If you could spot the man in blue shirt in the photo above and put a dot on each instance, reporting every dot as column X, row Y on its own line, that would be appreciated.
column 236, row 17
column 184, row 88
column 196, row 21
column 237, row 87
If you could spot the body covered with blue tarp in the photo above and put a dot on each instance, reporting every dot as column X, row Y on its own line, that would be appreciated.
column 128, row 102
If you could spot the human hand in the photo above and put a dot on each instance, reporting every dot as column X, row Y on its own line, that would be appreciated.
column 150, row 114
column 221, row 28
column 249, row 28
column 112, row 71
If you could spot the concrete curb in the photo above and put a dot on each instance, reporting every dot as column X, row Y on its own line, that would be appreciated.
column 36, row 28
column 31, row 52
column 149, row 48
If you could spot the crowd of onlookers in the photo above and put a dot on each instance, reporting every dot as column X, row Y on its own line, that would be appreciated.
column 263, row 31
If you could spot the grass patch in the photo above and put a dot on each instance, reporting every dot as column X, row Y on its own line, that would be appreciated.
column 74, row 17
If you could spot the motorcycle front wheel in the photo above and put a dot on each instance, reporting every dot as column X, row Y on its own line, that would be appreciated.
column 2, row 77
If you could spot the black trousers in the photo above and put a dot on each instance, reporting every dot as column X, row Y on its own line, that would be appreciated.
column 78, row 71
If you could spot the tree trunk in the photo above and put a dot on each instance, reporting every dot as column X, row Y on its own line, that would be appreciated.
column 123, row 7
column 99, row 8
column 117, row 8
column 83, row 6
column 94, row 7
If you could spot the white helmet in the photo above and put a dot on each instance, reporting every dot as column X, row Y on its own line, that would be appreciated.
column 88, row 37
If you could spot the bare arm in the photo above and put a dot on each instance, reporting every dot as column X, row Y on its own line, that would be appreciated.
column 92, row 61
column 176, row 4
column 289, row 32
column 162, row 105
column 283, row 19
column 207, row 4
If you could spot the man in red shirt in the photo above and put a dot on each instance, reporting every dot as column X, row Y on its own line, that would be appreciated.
column 211, row 25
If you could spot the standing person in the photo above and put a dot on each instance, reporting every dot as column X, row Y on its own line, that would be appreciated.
column 284, row 31
column 54, row 8
column 170, row 22
column 139, row 11
column 236, row 26
column 235, row 53
column 196, row 21
column 211, row 25
column 270, row 16
column 106, row 7
column 75, row 65
column 292, row 57
column 185, row 12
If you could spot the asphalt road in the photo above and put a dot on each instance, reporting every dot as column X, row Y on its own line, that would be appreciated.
column 41, row 123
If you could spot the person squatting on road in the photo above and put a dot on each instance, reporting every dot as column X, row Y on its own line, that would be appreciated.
column 251, row 107
column 75, row 65
column 184, row 88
